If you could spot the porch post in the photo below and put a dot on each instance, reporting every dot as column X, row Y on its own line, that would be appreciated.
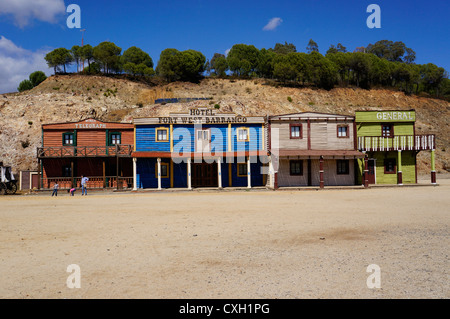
column 219, row 172
column 134, row 174
column 74, row 184
column 321, row 183
column 104, row 174
column 159, row 173
column 249, row 177
column 433, row 168
column 271, row 174
column 399, row 166
column 366, row 171
column 189, row 181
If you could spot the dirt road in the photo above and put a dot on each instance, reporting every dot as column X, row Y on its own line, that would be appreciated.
column 244, row 244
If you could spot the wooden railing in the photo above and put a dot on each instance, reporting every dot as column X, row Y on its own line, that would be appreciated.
column 84, row 151
column 95, row 182
column 397, row 143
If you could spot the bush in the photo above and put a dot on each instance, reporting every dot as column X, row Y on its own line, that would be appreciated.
column 289, row 99
column 217, row 106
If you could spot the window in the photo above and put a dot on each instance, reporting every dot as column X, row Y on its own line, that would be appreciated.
column 342, row 131
column 68, row 139
column 115, row 138
column 295, row 130
column 387, row 130
column 296, row 167
column 242, row 170
column 162, row 134
column 343, row 167
column 242, row 135
column 390, row 166
column 164, row 170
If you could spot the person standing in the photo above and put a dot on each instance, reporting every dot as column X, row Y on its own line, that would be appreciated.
column 83, row 185
column 55, row 189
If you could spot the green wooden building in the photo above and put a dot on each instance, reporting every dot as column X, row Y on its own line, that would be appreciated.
column 391, row 146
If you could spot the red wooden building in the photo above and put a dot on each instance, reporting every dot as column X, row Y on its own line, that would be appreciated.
column 98, row 150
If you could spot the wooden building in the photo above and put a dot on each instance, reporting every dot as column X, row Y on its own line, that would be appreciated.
column 98, row 150
column 199, row 148
column 389, row 139
column 312, row 149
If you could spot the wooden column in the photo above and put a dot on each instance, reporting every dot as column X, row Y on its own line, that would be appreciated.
column 159, row 173
column 219, row 172
column 189, row 181
column 399, row 166
column 104, row 174
column 433, row 168
column 71, row 174
column 366, row 172
column 117, row 167
column 171, row 173
column 134, row 173
column 249, row 176
column 321, row 183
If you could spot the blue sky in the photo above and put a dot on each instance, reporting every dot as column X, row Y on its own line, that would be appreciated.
column 29, row 29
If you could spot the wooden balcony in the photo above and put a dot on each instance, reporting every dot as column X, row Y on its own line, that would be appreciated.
column 397, row 143
column 121, row 150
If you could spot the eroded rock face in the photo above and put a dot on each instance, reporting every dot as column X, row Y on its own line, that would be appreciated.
column 75, row 97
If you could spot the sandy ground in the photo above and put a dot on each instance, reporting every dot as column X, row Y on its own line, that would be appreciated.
column 243, row 244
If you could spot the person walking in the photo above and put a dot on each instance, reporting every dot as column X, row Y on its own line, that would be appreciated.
column 55, row 189
column 83, row 185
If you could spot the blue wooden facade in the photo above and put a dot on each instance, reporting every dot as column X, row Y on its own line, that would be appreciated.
column 200, row 148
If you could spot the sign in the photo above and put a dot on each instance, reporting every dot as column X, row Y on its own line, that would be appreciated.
column 202, row 116
column 394, row 116
column 385, row 116
column 90, row 124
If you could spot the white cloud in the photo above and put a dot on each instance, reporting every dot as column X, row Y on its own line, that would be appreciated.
column 227, row 51
column 24, row 11
column 16, row 64
column 273, row 24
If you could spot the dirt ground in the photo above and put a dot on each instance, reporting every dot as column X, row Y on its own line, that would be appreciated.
column 221, row 244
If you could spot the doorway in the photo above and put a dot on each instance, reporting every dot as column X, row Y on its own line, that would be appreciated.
column 204, row 175
column 372, row 171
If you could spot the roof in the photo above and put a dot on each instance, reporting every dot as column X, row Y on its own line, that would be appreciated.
column 311, row 115
column 87, row 124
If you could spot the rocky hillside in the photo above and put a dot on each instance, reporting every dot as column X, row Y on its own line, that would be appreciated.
column 73, row 98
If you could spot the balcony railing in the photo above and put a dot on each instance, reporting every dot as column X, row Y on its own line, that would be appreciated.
column 397, row 143
column 95, row 182
column 85, row 151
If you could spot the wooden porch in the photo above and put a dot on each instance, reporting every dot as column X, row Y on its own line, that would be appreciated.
column 95, row 182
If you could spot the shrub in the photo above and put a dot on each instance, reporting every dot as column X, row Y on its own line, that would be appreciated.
column 289, row 99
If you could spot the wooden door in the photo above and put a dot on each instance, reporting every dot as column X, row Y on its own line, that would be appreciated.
column 204, row 175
